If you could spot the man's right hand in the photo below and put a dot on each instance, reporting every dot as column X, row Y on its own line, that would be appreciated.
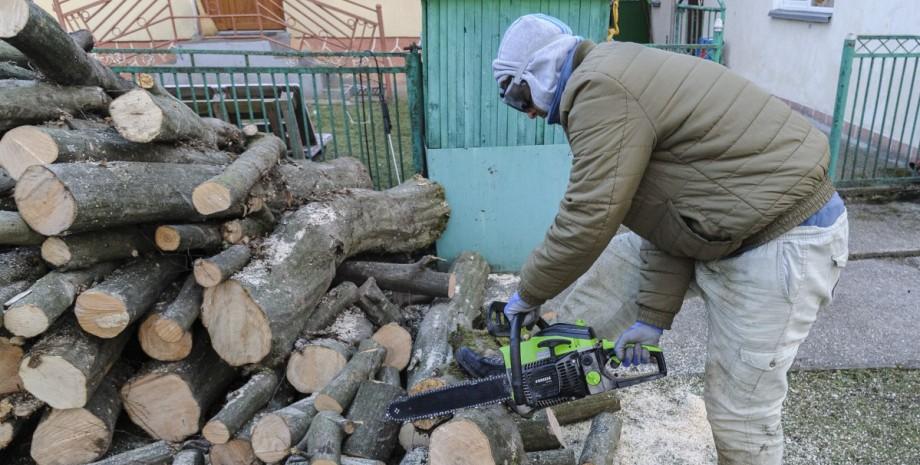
column 518, row 306
column 638, row 334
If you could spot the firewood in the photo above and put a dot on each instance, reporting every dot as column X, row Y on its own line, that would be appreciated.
column 602, row 441
column 551, row 457
column 11, row 54
column 441, row 377
column 21, row 264
column 14, row 289
column 141, row 116
column 314, row 363
column 374, row 436
column 87, row 249
column 25, row 146
column 249, row 321
column 66, row 365
column 151, row 343
column 185, row 237
column 229, row 136
column 338, row 394
column 157, row 453
column 480, row 436
column 471, row 272
column 411, row 437
column 398, row 343
column 176, row 319
column 15, row 231
column 416, row 456
column 169, row 400
column 331, row 305
column 11, row 351
column 232, row 186
column 84, row 39
column 324, row 438
column 389, row 375
column 52, row 51
column 15, row 412
column 6, row 182
column 586, row 408
column 109, row 307
column 80, row 435
column 11, row 71
column 189, row 457
column 414, row 278
column 209, row 272
column 243, row 230
column 431, row 349
column 276, row 433
column 540, row 431
column 376, row 305
column 241, row 406
column 239, row 450
column 49, row 298
column 28, row 102
column 307, row 181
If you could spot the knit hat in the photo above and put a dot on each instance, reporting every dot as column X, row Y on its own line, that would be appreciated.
column 533, row 49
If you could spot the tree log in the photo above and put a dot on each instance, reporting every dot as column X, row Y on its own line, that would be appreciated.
column 85, row 250
column 374, row 436
column 431, row 349
column 176, row 319
column 15, row 231
column 108, row 308
column 141, row 116
column 157, row 453
column 338, row 394
column 414, row 278
column 84, row 39
column 586, row 408
column 189, row 457
column 229, row 136
column 411, row 437
column 30, row 102
column 602, row 441
column 232, row 186
column 276, row 433
column 376, row 305
column 313, row 364
column 416, row 456
column 332, row 304
column 305, row 181
column 250, row 321
column 25, row 146
column 39, row 36
column 551, row 457
column 185, row 237
column 10, row 357
column 471, row 271
column 21, row 264
column 11, row 71
column 241, row 231
column 49, row 298
column 389, row 375
column 398, row 343
column 15, row 412
column 486, row 437
column 155, row 346
column 66, row 365
column 80, row 435
column 324, row 438
column 540, row 432
column 241, row 406
column 6, row 182
column 239, row 450
column 12, row 54
column 209, row 272
column 8, row 292
column 169, row 400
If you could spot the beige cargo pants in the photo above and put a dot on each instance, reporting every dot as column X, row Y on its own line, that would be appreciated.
column 760, row 307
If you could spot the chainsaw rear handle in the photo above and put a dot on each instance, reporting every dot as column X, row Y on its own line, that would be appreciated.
column 656, row 354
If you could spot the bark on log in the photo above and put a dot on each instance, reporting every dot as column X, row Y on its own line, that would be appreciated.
column 374, row 436
column 301, row 256
column 11, row 71
column 51, row 50
column 229, row 136
column 29, row 102
column 602, row 441
column 241, row 231
column 80, row 435
column 176, row 319
column 540, row 432
column 398, row 343
column 189, row 457
column 6, row 182
column 25, row 146
column 232, row 186
column 169, row 400
column 239, row 450
column 15, row 412
column 15, row 231
column 108, row 308
column 414, row 278
column 85, row 250
column 416, row 456
column 324, row 439
column 49, row 298
column 486, row 437
column 276, row 433
column 10, row 357
column 307, row 181
column 142, row 116
column 376, row 305
column 431, row 349
column 338, row 394
column 241, row 406
column 209, row 272
column 552, row 457
column 332, row 304
column 389, row 375
column 21, row 264
column 471, row 271
column 157, row 453
column 411, row 437
column 8, row 292
column 66, row 365
column 84, row 39
column 151, row 343
column 12, row 54
column 586, row 408
column 186, row 237
column 315, row 363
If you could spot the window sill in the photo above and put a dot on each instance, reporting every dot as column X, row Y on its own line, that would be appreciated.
column 798, row 15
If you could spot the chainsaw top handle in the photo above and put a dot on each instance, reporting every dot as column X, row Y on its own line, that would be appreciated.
column 517, row 385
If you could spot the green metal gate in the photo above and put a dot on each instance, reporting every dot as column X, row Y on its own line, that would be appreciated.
column 874, row 139
column 324, row 105
column 697, row 29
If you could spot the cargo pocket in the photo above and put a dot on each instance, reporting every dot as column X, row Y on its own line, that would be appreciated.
column 763, row 370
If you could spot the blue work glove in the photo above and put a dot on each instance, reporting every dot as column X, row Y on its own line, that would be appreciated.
column 638, row 334
column 517, row 306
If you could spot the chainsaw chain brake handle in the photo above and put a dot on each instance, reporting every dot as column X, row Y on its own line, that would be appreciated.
column 497, row 323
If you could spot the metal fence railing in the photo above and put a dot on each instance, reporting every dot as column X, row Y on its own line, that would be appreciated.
column 874, row 137
column 322, row 104
column 697, row 30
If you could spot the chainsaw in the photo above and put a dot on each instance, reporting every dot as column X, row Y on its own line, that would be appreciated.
column 558, row 363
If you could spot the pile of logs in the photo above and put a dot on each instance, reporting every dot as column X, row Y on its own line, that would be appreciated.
column 180, row 273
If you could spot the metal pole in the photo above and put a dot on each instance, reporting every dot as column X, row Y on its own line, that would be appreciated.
column 840, row 103
column 416, row 108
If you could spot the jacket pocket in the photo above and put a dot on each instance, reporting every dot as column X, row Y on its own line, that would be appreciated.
column 683, row 241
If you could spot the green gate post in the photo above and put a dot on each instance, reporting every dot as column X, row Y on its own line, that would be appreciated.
column 840, row 104
column 416, row 108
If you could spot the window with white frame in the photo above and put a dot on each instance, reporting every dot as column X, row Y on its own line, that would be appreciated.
column 818, row 11
column 818, row 6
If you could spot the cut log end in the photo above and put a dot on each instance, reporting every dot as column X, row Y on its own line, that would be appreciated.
column 137, row 116
column 54, row 380
column 101, row 314
column 211, row 197
column 26, row 320
column 157, row 347
column 207, row 273
column 325, row 403
column 25, row 146
column 14, row 18
column 239, row 330
column 178, row 413
column 44, row 201
column 168, row 330
column 311, row 369
column 464, row 443
column 56, row 252
column 69, row 436
column 272, row 439
column 216, row 432
column 398, row 343
column 167, row 238
column 234, row 452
